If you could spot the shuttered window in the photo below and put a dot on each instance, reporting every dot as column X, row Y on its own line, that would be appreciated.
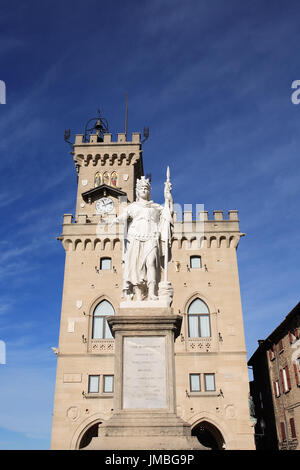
column 296, row 372
column 293, row 428
column 283, row 433
column 285, row 379
column 276, row 389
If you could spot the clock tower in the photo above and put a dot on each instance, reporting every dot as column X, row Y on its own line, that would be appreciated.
column 107, row 171
column 210, row 385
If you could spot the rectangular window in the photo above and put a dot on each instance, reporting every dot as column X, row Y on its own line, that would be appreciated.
column 94, row 383
column 204, row 326
column 108, row 383
column 105, row 264
column 193, row 326
column 209, row 380
column 101, row 329
column 195, row 383
column 98, row 327
column 195, row 262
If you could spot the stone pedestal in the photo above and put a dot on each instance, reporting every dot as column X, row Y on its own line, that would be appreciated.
column 144, row 396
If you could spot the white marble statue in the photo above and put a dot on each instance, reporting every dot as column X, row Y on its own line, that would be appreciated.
column 146, row 243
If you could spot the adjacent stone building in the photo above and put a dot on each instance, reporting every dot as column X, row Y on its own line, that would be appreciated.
column 275, row 388
column 212, row 385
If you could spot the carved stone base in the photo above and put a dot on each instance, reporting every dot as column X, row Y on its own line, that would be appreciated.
column 144, row 396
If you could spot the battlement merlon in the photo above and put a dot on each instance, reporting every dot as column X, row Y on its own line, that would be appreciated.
column 107, row 139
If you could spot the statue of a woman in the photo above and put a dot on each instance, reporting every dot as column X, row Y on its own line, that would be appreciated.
column 148, row 225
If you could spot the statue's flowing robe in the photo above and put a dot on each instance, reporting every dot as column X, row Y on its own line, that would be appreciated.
column 148, row 225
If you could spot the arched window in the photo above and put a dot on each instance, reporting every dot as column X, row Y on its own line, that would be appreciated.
column 98, row 179
column 100, row 326
column 198, row 320
column 106, row 178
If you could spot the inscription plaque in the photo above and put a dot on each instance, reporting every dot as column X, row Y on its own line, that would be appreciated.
column 144, row 372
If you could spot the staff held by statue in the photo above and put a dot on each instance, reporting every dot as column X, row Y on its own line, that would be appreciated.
column 167, row 234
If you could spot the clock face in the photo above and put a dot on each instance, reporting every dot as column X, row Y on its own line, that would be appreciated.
column 104, row 205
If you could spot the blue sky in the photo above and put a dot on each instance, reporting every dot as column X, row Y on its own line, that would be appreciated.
column 212, row 80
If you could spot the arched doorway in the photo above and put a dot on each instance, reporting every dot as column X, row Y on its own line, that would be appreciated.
column 208, row 435
column 91, row 432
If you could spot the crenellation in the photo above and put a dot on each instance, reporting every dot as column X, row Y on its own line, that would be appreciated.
column 225, row 234
column 67, row 219
column 136, row 137
column 182, row 243
column 187, row 216
column 93, row 139
column 78, row 139
column 233, row 215
column 218, row 215
column 202, row 216
column 121, row 137
column 107, row 139
column 82, row 219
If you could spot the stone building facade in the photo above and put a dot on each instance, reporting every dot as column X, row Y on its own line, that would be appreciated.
column 275, row 389
column 212, row 385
